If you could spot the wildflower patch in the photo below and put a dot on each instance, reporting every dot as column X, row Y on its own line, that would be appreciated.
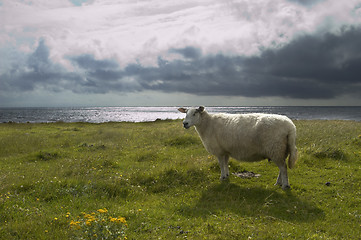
column 99, row 224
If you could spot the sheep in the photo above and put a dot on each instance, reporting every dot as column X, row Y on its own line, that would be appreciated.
column 246, row 137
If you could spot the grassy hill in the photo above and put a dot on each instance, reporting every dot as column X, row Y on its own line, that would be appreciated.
column 156, row 181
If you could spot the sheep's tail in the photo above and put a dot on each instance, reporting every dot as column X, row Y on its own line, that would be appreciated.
column 292, row 149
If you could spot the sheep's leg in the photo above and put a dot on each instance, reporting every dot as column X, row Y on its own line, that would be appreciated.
column 283, row 176
column 226, row 169
column 279, row 179
column 223, row 165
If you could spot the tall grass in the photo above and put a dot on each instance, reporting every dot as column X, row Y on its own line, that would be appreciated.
column 156, row 181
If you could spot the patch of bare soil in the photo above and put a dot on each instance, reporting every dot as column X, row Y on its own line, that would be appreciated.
column 246, row 174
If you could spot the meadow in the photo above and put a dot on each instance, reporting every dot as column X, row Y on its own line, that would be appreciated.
column 156, row 181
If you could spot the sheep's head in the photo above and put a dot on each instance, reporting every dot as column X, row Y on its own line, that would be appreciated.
column 193, row 116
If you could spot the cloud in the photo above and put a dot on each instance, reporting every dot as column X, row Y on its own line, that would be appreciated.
column 187, row 52
column 87, row 61
column 310, row 67
column 328, row 59
column 37, row 71
column 288, row 48
column 307, row 2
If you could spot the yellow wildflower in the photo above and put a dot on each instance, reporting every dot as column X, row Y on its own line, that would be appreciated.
column 122, row 219
column 118, row 220
column 73, row 223
column 103, row 210
column 90, row 217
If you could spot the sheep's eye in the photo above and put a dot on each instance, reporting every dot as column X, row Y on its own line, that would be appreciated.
column 194, row 114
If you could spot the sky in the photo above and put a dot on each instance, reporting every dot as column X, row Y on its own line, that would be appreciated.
column 174, row 53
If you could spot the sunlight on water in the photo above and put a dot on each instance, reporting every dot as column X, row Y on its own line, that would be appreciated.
column 147, row 114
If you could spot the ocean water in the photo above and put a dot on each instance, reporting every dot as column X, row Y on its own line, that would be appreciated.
column 147, row 114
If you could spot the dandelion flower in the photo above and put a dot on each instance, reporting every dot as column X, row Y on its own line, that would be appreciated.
column 122, row 220
column 103, row 210
column 118, row 220
column 74, row 224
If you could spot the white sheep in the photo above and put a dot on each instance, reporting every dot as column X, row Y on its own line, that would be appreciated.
column 246, row 137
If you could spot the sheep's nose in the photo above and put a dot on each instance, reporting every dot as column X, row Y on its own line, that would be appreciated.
column 185, row 125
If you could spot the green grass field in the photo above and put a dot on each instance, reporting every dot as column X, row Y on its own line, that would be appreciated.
column 156, row 181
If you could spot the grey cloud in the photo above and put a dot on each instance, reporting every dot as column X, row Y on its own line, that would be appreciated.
column 95, row 76
column 38, row 69
column 187, row 52
column 87, row 61
column 306, row 2
column 328, row 59
column 311, row 67
column 317, row 67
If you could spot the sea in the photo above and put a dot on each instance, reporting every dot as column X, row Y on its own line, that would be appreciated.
column 149, row 114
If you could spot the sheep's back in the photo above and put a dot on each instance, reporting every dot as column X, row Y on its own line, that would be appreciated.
column 248, row 136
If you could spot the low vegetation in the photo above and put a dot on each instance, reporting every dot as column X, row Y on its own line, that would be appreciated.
column 156, row 181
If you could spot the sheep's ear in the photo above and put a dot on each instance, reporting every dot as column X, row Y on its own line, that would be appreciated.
column 200, row 109
column 183, row 110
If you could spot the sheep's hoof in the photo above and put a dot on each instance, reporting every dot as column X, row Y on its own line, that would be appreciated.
column 287, row 187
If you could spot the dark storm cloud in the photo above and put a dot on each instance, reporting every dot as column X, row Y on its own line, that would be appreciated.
column 95, row 76
column 329, row 63
column 37, row 70
column 310, row 67
column 328, row 59
column 87, row 61
column 317, row 67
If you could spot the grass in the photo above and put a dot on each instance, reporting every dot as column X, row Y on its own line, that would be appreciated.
column 156, row 181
